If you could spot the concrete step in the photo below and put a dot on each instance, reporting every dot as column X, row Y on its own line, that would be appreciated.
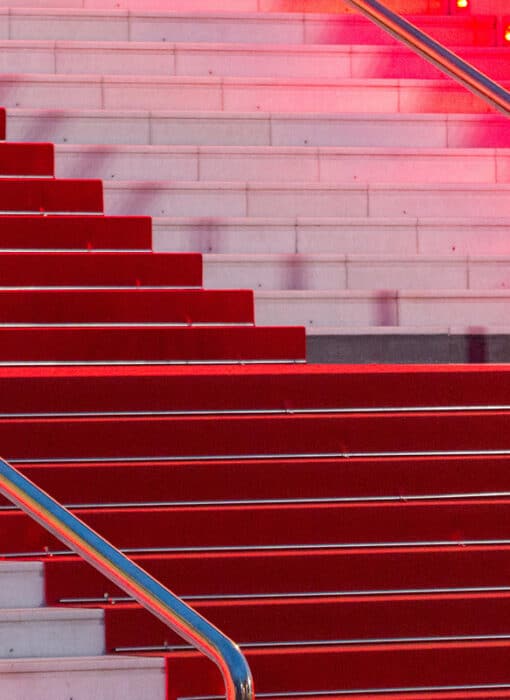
column 238, row 199
column 429, row 310
column 223, row 26
column 334, row 6
column 21, row 585
column 114, row 92
column 336, row 272
column 400, row 236
column 98, row 677
column 137, row 127
column 48, row 632
column 247, row 60
column 294, row 164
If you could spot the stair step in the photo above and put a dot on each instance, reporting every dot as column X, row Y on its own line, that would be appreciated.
column 112, row 269
column 257, row 573
column 355, row 619
column 260, row 60
column 114, row 92
column 151, row 344
column 137, row 127
column 165, row 437
column 41, row 195
column 76, row 232
column 126, row 306
column 331, row 236
column 100, row 677
column 227, row 27
column 33, row 159
column 336, row 272
column 278, row 526
column 296, row 164
column 243, row 481
column 429, row 310
column 367, row 668
column 47, row 632
column 240, row 199
column 22, row 584
column 416, row 6
column 284, row 389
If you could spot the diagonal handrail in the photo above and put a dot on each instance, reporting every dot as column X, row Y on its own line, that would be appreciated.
column 447, row 61
column 132, row 579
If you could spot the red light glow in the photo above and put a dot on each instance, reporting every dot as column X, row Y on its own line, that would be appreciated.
column 507, row 33
column 462, row 4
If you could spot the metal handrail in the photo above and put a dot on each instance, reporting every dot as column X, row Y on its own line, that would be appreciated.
column 434, row 52
column 132, row 579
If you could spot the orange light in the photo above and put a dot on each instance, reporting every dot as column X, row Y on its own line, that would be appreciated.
column 507, row 33
column 462, row 4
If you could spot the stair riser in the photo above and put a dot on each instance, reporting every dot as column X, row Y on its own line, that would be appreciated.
column 346, row 524
column 38, row 634
column 296, row 572
column 22, row 585
column 354, row 478
column 327, row 620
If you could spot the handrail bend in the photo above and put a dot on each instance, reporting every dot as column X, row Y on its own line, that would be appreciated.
column 434, row 52
column 132, row 579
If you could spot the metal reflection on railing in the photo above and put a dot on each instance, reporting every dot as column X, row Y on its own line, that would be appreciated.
column 132, row 579
column 434, row 52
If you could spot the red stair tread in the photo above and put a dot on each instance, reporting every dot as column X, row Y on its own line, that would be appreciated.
column 99, row 269
column 284, row 571
column 32, row 195
column 26, row 159
column 151, row 344
column 127, row 306
column 68, row 231
column 126, row 482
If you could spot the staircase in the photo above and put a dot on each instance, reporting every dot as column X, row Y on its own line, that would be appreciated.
column 346, row 526
column 357, row 191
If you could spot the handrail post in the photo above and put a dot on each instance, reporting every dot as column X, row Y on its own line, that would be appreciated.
column 131, row 578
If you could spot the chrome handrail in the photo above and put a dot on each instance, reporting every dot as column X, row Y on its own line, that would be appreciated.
column 131, row 578
column 434, row 52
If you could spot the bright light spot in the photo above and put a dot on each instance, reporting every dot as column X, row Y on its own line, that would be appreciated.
column 507, row 33
column 462, row 4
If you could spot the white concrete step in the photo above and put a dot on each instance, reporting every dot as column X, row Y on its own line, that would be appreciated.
column 368, row 271
column 47, row 632
column 224, row 26
column 393, row 236
column 294, row 95
column 238, row 199
column 137, row 127
column 294, row 164
column 21, row 585
column 334, row 6
column 101, row 678
column 247, row 60
column 430, row 310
